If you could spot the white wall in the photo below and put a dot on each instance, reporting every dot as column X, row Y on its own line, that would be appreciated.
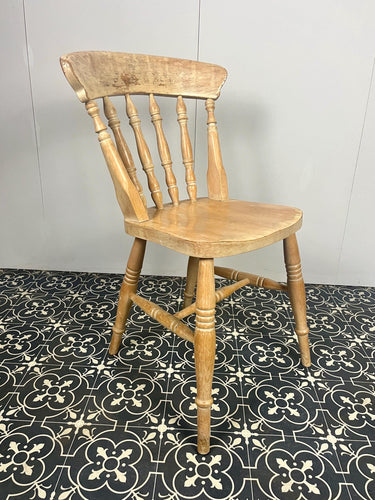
column 296, row 119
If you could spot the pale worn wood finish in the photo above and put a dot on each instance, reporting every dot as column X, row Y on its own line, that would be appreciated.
column 204, row 350
column 122, row 147
column 164, row 153
column 163, row 317
column 96, row 74
column 191, row 280
column 129, row 286
column 254, row 280
column 296, row 290
column 187, row 152
column 203, row 228
column 210, row 228
column 144, row 152
column 220, row 295
column 127, row 195
column 217, row 185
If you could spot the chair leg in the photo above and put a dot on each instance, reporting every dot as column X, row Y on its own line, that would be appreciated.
column 191, row 280
column 204, row 350
column 129, row 285
column 297, row 295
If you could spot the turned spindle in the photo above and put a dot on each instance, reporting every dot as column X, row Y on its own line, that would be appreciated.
column 216, row 177
column 127, row 195
column 144, row 152
column 187, row 153
column 122, row 147
column 164, row 153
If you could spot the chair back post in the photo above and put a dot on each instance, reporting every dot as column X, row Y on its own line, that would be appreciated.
column 127, row 195
column 217, row 185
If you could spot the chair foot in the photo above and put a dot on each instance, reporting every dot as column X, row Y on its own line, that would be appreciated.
column 303, row 342
column 116, row 338
column 129, row 285
column 204, row 350
column 297, row 295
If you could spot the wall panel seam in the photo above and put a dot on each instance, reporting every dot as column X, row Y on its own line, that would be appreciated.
column 354, row 173
column 33, row 109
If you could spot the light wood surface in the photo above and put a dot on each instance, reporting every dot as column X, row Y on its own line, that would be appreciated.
column 187, row 152
column 129, row 286
column 202, row 228
column 165, row 155
column 204, row 350
column 127, row 195
column 96, row 74
column 220, row 294
column 191, row 280
column 254, row 280
column 144, row 152
column 122, row 147
column 217, row 185
column 163, row 317
column 296, row 290
column 209, row 228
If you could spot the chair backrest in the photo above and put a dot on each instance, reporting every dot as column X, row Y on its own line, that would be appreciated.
column 95, row 75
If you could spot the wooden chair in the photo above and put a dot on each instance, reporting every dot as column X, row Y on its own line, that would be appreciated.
column 202, row 228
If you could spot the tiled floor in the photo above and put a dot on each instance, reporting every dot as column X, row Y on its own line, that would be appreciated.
column 76, row 423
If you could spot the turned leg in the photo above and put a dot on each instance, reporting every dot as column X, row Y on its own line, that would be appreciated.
column 296, row 291
column 204, row 350
column 191, row 280
column 129, row 285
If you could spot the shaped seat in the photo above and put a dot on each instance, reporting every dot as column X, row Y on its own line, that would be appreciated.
column 202, row 228
column 211, row 228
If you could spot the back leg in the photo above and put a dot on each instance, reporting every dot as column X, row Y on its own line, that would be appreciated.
column 191, row 280
column 129, row 285
column 297, row 295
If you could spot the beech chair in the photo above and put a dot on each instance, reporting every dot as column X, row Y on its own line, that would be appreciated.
column 201, row 228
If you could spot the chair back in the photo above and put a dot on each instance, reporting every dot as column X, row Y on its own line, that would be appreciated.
column 95, row 75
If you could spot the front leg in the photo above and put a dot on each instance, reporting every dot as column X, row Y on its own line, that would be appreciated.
column 204, row 350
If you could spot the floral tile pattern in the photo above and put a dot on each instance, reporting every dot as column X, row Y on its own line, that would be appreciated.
column 76, row 423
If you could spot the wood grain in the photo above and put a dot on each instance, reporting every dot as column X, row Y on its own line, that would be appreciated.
column 191, row 280
column 129, row 286
column 127, row 195
column 210, row 228
column 204, row 350
column 164, row 153
column 254, row 279
column 96, row 74
column 186, row 150
column 144, row 153
column 122, row 147
column 217, row 185
column 163, row 317
column 296, row 290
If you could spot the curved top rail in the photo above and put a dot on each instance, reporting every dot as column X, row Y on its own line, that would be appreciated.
column 96, row 74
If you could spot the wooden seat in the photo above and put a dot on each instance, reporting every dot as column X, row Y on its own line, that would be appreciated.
column 211, row 228
column 202, row 228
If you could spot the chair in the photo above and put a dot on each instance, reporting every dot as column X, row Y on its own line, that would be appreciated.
column 201, row 228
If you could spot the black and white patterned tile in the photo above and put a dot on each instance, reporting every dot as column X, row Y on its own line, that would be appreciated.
column 76, row 423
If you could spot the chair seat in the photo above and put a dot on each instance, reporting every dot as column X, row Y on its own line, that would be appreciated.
column 209, row 228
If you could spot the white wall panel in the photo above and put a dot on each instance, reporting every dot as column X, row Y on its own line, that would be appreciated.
column 83, row 224
column 290, row 120
column 21, row 213
column 292, row 111
column 357, row 266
